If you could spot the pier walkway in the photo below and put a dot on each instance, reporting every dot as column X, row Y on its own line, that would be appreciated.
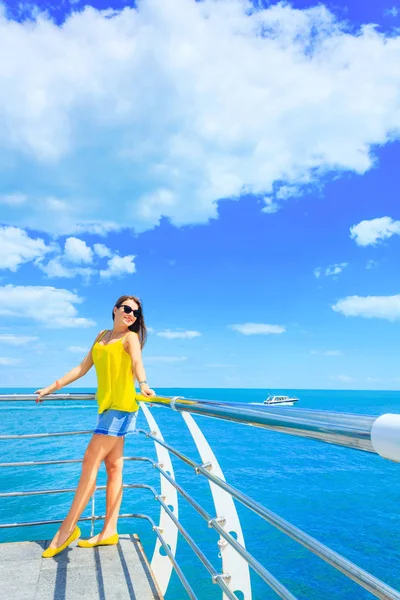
column 119, row 572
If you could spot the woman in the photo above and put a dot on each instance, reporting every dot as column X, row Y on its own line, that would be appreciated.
column 117, row 357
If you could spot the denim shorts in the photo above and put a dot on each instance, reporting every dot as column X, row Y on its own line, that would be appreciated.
column 116, row 423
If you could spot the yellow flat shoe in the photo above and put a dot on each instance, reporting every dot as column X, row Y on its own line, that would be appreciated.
column 50, row 552
column 110, row 541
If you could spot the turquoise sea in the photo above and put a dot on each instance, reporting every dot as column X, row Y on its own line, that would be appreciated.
column 345, row 498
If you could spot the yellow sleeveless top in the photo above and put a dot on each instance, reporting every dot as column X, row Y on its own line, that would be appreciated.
column 115, row 381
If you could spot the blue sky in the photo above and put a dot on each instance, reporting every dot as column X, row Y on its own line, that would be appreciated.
column 237, row 169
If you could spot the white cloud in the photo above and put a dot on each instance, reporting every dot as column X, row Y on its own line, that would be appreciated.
column 174, row 335
column 56, row 268
column 119, row 265
column 202, row 125
column 54, row 308
column 391, row 12
column 102, row 251
column 16, row 340
column 78, row 349
column 102, row 228
column 371, row 264
column 9, row 362
column 16, row 248
column 342, row 378
column 284, row 192
column 270, row 207
column 258, row 329
column 164, row 359
column 379, row 307
column 374, row 231
column 13, row 199
column 77, row 251
column 331, row 271
column 328, row 352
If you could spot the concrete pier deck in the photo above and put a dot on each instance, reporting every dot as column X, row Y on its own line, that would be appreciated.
column 119, row 572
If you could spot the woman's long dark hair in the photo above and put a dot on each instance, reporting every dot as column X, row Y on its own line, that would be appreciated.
column 139, row 326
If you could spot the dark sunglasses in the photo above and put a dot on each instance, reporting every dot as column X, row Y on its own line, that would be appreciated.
column 127, row 310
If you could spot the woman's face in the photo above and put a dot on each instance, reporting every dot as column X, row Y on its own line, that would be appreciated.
column 121, row 318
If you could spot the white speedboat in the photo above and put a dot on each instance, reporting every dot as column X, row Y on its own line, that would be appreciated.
column 280, row 401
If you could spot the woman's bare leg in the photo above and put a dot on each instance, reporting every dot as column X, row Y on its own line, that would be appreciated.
column 114, row 462
column 98, row 448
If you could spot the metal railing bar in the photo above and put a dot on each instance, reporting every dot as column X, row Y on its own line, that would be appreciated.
column 25, row 436
column 375, row 586
column 216, row 577
column 183, row 492
column 68, row 461
column 338, row 428
column 342, row 429
column 52, row 397
column 176, row 566
column 69, row 490
column 249, row 558
column 40, row 463
column 179, row 571
column 57, row 521
column 273, row 583
column 349, row 569
column 174, row 451
column 353, row 431
column 264, row 573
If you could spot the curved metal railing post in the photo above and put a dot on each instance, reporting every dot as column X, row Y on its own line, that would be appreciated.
column 226, row 515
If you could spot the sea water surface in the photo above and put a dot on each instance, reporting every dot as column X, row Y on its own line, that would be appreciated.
column 345, row 498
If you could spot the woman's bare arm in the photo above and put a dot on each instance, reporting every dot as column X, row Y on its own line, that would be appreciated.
column 72, row 375
column 132, row 346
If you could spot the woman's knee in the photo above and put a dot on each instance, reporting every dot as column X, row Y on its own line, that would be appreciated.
column 114, row 467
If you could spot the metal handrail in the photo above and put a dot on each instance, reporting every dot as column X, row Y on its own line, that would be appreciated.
column 348, row 568
column 374, row 585
column 343, row 429
column 212, row 522
column 35, row 463
column 339, row 428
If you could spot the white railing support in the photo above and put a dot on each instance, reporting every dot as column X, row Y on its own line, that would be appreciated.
column 161, row 564
column 227, row 516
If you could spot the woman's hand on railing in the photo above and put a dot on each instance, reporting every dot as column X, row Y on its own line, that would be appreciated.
column 146, row 391
column 43, row 392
